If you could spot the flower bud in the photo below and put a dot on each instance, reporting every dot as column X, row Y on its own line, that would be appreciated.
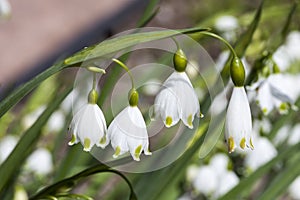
column 133, row 97
column 180, row 61
column 93, row 97
column 237, row 72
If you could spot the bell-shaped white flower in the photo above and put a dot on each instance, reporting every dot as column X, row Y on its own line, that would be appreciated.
column 127, row 132
column 276, row 91
column 206, row 180
column 5, row 9
column 227, row 181
column 177, row 100
column 88, row 126
column 40, row 162
column 238, row 126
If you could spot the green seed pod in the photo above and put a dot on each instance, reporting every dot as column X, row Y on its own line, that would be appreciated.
column 93, row 97
column 180, row 61
column 133, row 97
column 237, row 72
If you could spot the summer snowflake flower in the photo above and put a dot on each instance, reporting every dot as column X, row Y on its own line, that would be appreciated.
column 177, row 100
column 88, row 125
column 128, row 132
column 238, row 126
column 276, row 91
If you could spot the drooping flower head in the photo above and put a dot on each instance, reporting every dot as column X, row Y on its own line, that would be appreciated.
column 177, row 98
column 275, row 92
column 128, row 132
column 274, row 89
column 88, row 125
column 238, row 125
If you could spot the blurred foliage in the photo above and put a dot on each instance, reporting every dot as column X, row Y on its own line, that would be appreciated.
column 258, row 32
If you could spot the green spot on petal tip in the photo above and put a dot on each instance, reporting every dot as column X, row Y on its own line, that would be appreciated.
column 73, row 140
column 231, row 145
column 137, row 152
column 103, row 140
column 169, row 121
column 117, row 152
column 243, row 143
column 190, row 120
column 87, row 144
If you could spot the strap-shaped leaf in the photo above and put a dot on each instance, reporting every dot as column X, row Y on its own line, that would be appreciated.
column 68, row 183
column 103, row 49
column 24, row 147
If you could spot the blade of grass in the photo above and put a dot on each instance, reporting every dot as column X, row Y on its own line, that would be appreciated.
column 105, row 48
column 12, row 164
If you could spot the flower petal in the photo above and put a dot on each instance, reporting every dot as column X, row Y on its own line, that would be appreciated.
column 238, row 124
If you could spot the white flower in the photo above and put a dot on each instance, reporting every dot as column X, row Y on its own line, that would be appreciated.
column 226, row 23
column 56, row 121
column 206, row 180
column 288, row 53
column 276, row 91
column 192, row 172
column 40, row 162
column 226, row 181
column 185, row 196
column 127, row 132
column 89, row 127
column 5, row 9
column 294, row 135
column 282, row 135
column 177, row 100
column 7, row 144
column 294, row 188
column 264, row 151
column 219, row 163
column 238, row 126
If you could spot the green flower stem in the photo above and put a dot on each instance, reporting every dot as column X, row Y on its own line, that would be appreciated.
column 222, row 40
column 69, row 183
column 10, row 167
column 126, row 69
column 75, row 196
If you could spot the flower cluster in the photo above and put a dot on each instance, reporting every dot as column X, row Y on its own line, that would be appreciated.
column 212, row 180
column 127, row 132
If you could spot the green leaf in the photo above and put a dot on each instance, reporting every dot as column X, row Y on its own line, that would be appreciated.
column 244, row 187
column 24, row 147
column 23, row 90
column 68, row 183
column 281, row 182
column 103, row 49
column 110, row 46
column 149, row 13
column 246, row 38
column 274, row 43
